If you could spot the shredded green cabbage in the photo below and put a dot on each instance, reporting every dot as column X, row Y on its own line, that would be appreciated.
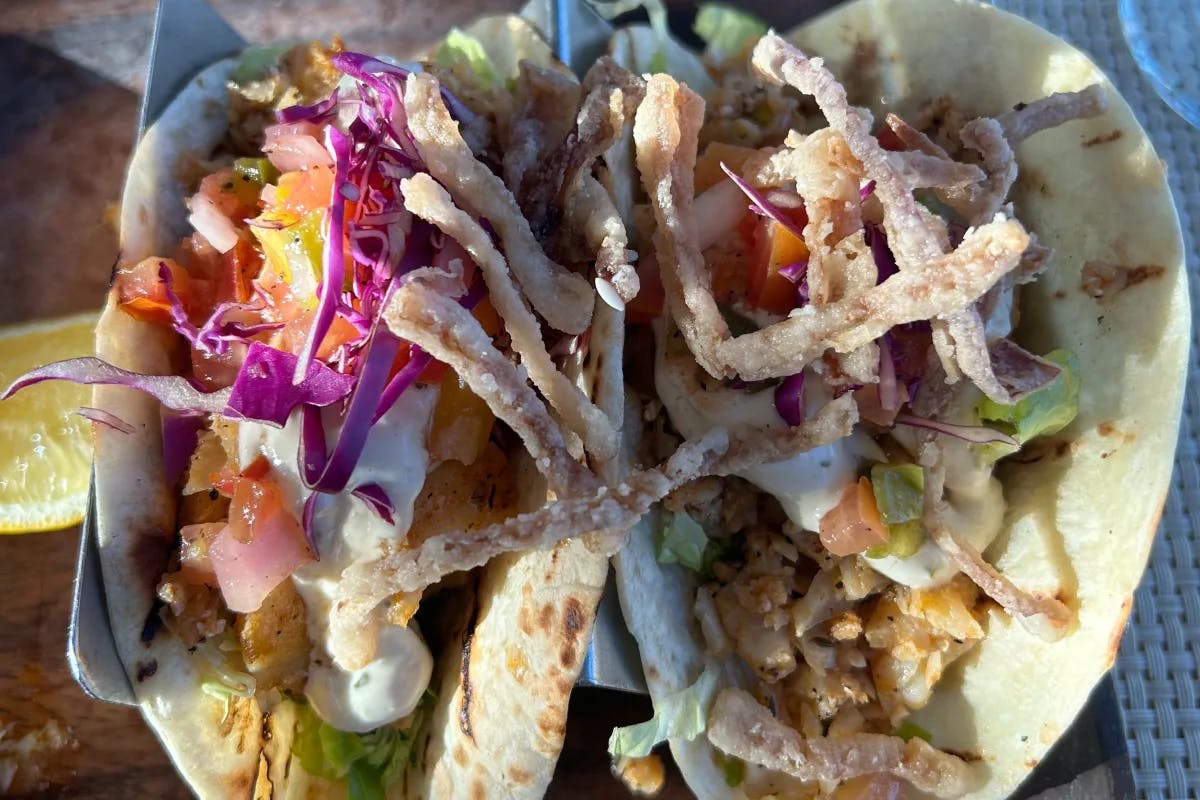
column 680, row 715
column 461, row 48
column 681, row 540
column 900, row 496
column 726, row 30
column 368, row 762
column 1042, row 413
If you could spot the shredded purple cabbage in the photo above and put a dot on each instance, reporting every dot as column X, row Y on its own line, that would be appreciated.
column 179, row 435
column 306, row 523
column 976, row 434
column 885, row 262
column 789, row 399
column 759, row 204
column 327, row 471
column 172, row 391
column 318, row 113
column 333, row 257
column 264, row 390
column 377, row 500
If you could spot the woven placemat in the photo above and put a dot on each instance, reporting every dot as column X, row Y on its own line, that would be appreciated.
column 1158, row 667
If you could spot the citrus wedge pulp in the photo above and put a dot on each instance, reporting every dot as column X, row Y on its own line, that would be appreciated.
column 45, row 447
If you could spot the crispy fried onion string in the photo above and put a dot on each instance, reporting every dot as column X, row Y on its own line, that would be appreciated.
column 740, row 726
column 1052, row 111
column 594, row 509
column 563, row 298
column 425, row 198
column 449, row 333
column 665, row 133
column 946, row 283
column 1045, row 617
column 591, row 209
column 931, row 284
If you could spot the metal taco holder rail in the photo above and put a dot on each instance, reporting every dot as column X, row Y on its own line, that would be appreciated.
column 188, row 36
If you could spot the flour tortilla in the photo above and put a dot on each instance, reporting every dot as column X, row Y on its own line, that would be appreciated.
column 1081, row 520
column 538, row 606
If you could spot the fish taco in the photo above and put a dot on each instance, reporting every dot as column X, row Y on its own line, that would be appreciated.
column 338, row 368
column 917, row 266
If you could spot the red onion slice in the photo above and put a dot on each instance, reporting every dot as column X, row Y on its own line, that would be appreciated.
column 762, row 204
column 976, row 434
column 789, row 399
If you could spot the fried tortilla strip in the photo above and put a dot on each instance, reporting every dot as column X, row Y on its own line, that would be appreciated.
column 449, row 333
column 971, row 355
column 1045, row 617
column 590, row 209
column 944, row 285
column 425, row 198
column 986, row 136
column 740, row 726
column 1052, row 111
column 665, row 133
column 924, row 171
column 564, row 299
column 912, row 241
column 597, row 510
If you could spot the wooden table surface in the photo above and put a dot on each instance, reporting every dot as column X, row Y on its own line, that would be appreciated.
column 70, row 74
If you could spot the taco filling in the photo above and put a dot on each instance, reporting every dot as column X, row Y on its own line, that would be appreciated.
column 824, row 260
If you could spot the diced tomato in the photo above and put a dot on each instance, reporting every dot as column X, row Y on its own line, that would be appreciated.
column 853, row 525
column 462, row 423
column 775, row 247
column 240, row 266
column 306, row 190
column 247, row 571
column 647, row 306
column 142, row 294
column 233, row 196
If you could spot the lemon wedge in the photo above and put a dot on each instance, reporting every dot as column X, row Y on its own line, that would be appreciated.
column 45, row 447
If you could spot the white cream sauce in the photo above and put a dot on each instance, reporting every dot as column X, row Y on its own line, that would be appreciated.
column 809, row 484
column 348, row 532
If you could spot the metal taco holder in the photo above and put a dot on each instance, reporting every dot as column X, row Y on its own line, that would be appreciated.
column 1090, row 760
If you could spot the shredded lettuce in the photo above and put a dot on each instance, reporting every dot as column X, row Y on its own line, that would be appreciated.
column 225, row 677
column 681, row 540
column 368, row 762
column 462, row 48
column 1042, row 413
column 909, row 730
column 726, row 30
column 679, row 715
column 900, row 496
